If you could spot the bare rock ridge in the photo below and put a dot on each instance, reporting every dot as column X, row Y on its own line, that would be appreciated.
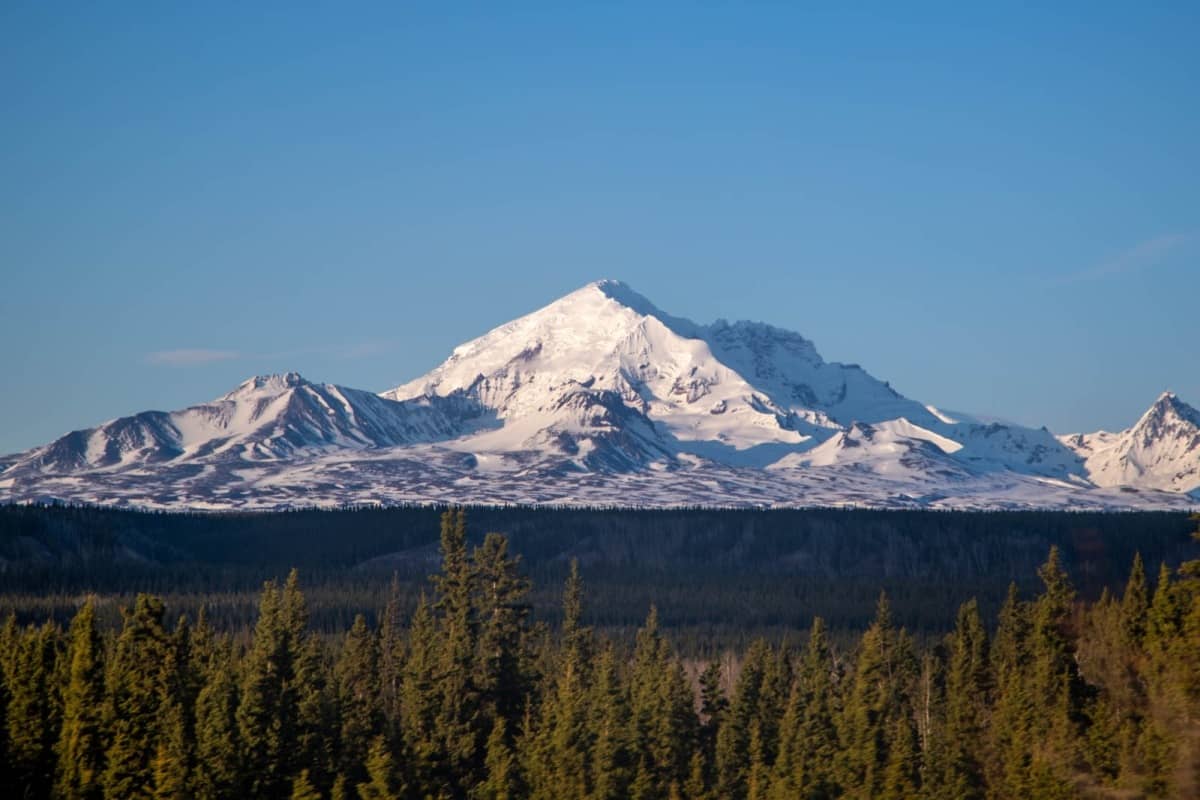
column 600, row 397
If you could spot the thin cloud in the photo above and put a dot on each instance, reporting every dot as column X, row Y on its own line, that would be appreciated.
column 199, row 356
column 189, row 357
column 1141, row 256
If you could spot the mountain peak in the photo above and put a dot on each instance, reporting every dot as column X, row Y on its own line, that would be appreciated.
column 1167, row 406
column 270, row 383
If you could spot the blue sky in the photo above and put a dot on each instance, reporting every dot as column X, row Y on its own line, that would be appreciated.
column 996, row 210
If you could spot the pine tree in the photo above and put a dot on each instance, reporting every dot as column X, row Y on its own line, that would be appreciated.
column 419, row 700
column 81, row 742
column 733, row 737
column 316, row 701
column 500, row 765
column 391, row 661
column 361, row 720
column 1135, row 603
column 459, row 719
column 503, row 612
column 33, row 711
column 303, row 789
column 1010, row 742
column 1057, row 688
column 172, row 757
column 664, row 724
column 382, row 782
column 217, row 741
column 283, row 711
column 608, row 704
column 968, row 684
column 879, row 699
column 902, row 775
column 134, row 699
column 817, row 741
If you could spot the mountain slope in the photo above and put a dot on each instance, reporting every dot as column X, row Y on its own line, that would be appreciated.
column 266, row 418
column 1161, row 451
column 601, row 397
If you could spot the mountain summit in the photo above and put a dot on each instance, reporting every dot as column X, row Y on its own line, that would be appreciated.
column 1161, row 451
column 601, row 397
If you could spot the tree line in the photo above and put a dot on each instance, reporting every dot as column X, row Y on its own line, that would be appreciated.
column 469, row 697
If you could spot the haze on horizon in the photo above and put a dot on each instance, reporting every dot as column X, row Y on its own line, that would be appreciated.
column 996, row 211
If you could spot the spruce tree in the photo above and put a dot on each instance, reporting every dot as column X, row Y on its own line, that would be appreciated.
column 1057, row 687
column 419, row 700
column 80, row 747
column 382, row 780
column 133, row 705
column 500, row 765
column 217, row 741
column 610, row 759
column 968, row 684
column 1010, row 741
column 33, row 712
column 303, row 789
column 502, row 611
column 391, row 660
column 1135, row 603
column 361, row 720
column 172, row 756
column 459, row 719
column 268, row 710
column 878, row 709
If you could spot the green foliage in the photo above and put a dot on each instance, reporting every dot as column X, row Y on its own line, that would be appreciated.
column 472, row 700
column 81, row 740
column 133, row 707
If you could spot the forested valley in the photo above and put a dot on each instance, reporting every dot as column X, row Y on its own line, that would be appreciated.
column 471, row 695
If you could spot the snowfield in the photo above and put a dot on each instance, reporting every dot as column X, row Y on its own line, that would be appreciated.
column 601, row 398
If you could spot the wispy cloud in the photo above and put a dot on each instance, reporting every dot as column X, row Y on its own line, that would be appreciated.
column 189, row 357
column 199, row 356
column 1141, row 256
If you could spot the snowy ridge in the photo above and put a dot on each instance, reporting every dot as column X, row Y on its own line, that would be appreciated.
column 601, row 397
column 1161, row 451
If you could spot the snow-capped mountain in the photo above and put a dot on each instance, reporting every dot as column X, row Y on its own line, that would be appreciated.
column 1161, row 451
column 267, row 418
column 600, row 397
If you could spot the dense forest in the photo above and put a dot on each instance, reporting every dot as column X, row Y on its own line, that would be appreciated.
column 469, row 696
column 720, row 578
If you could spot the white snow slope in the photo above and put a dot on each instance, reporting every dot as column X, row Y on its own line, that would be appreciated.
column 601, row 398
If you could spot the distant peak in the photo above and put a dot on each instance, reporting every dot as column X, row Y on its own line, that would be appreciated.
column 276, row 382
column 1167, row 404
column 624, row 294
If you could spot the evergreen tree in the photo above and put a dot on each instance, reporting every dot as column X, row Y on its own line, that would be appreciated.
column 419, row 700
column 1057, row 688
column 303, row 789
column 968, row 684
column 33, row 711
column 361, row 720
column 501, row 766
column 217, row 741
column 391, row 661
column 172, row 758
column 382, row 780
column 133, row 707
column 877, row 710
column 503, row 612
column 1011, row 741
column 459, row 719
column 279, row 715
column 315, row 700
column 81, row 741
column 1135, row 603
column 610, row 758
